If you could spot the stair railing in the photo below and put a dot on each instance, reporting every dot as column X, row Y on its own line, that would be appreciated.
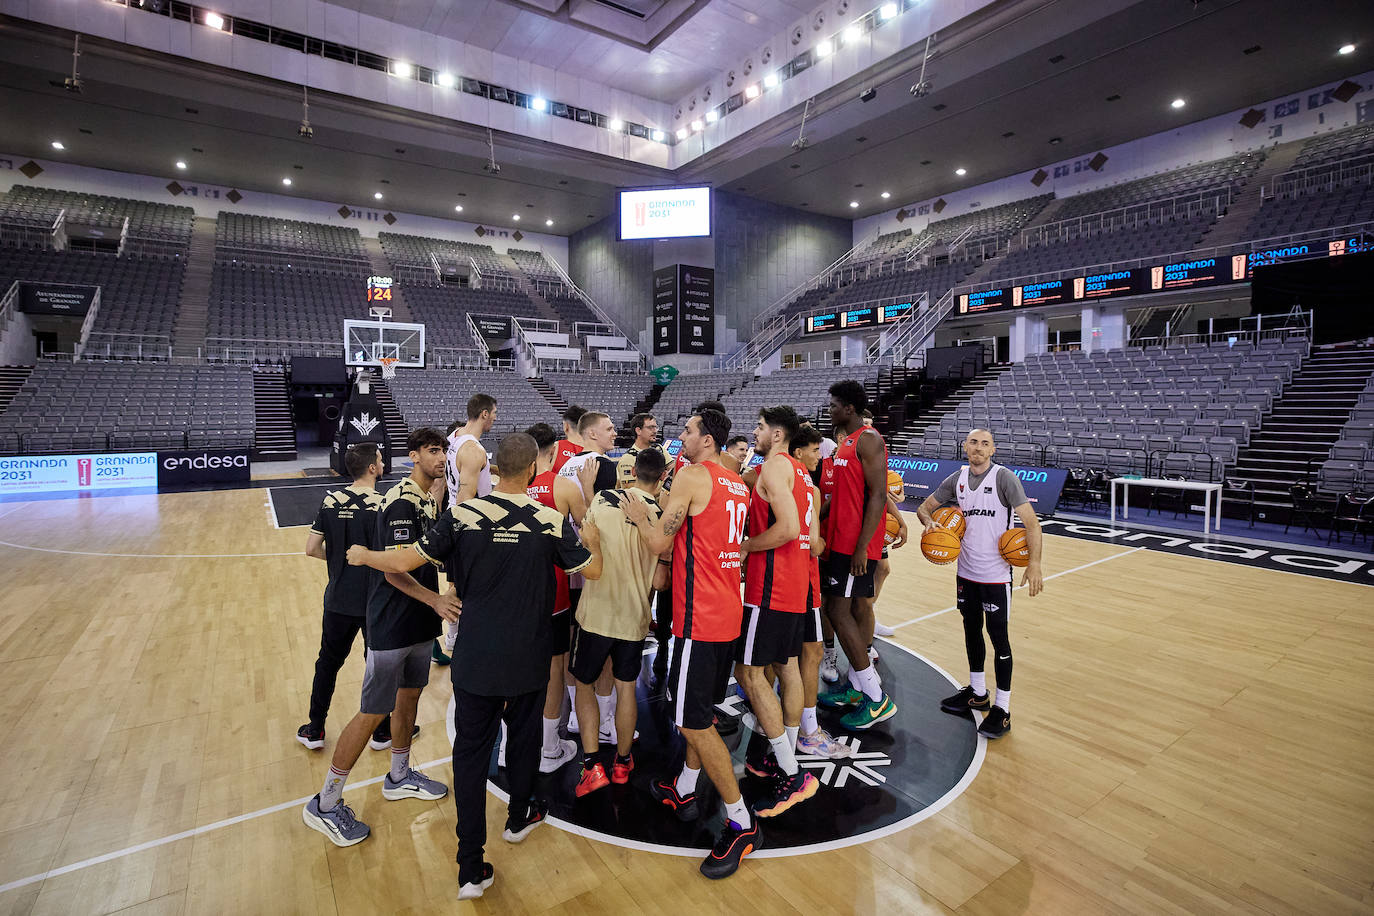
column 821, row 279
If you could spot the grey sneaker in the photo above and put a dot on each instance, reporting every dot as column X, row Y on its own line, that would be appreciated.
column 413, row 785
column 342, row 828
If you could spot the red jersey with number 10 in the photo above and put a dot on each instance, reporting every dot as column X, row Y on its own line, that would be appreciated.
column 849, row 496
column 541, row 491
column 779, row 579
column 706, row 598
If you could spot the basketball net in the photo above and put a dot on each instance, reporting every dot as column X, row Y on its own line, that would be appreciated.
column 388, row 364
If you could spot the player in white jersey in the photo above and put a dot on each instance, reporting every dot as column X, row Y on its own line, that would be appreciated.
column 988, row 495
column 467, row 473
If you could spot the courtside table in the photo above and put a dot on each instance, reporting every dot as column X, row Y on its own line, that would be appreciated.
column 1207, row 490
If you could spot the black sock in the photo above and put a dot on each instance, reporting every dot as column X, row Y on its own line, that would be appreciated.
column 622, row 758
column 589, row 760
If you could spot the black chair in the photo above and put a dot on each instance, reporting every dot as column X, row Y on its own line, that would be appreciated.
column 1242, row 491
column 1305, row 505
column 1357, row 511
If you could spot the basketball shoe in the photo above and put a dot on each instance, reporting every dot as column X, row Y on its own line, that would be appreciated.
column 964, row 700
column 733, row 844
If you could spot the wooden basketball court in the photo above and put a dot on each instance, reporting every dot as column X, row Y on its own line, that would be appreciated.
column 1189, row 736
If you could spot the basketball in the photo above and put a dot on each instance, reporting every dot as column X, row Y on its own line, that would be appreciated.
column 1012, row 546
column 950, row 518
column 940, row 546
column 895, row 486
column 891, row 534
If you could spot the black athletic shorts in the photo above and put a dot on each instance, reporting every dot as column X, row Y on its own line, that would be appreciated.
column 983, row 598
column 590, row 651
column 769, row 637
column 811, row 626
column 837, row 582
column 562, row 632
column 697, row 678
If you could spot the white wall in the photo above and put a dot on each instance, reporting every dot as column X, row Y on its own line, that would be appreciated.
column 208, row 200
column 1201, row 141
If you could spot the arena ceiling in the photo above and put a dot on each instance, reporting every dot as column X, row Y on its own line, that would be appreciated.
column 1034, row 69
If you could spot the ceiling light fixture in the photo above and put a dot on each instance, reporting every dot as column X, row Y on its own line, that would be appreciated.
column 961, row 171
column 825, row 48
column 515, row 216
column 770, row 81
column 286, row 181
column 853, row 204
column 446, row 80
column 852, row 34
column 697, row 125
column 1346, row 49
column 402, row 69
column 181, row 164
column 887, row 11
column 615, row 124
column 657, row 136
column 682, row 133
column 1177, row 103
column 885, row 195
column 548, row 222
column 214, row 21
column 539, row 104
column 457, row 208
column 712, row 116
column 751, row 91
column 377, row 195
column 58, row 145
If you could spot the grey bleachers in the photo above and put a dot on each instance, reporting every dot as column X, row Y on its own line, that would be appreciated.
column 416, row 250
column 1231, row 172
column 806, row 390
column 614, row 394
column 101, row 406
column 1352, row 451
column 241, row 232
column 264, row 302
column 437, row 397
column 137, row 295
column 25, row 205
column 533, row 264
column 1184, row 410
column 443, row 310
column 687, row 391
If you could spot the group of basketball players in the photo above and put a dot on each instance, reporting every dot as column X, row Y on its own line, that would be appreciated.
column 556, row 566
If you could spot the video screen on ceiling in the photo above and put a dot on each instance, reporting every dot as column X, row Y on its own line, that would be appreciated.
column 665, row 213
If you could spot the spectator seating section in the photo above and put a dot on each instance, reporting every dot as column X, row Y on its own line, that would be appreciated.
column 242, row 232
column 25, row 205
column 1159, row 235
column 437, row 397
column 443, row 310
column 1232, row 172
column 533, row 264
column 103, row 406
column 416, row 250
column 1183, row 411
column 687, row 391
column 806, row 390
column 137, row 295
column 1351, row 144
column 1350, row 466
column 615, row 394
column 1321, row 190
column 300, row 303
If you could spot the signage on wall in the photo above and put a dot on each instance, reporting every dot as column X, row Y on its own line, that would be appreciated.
column 188, row 467
column 64, row 299
column 76, row 474
column 696, row 289
column 665, row 310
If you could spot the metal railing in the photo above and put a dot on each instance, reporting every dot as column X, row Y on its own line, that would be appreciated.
column 1323, row 177
column 475, row 332
column 463, row 358
column 265, row 350
column 596, row 328
column 490, row 280
column 1296, row 324
column 58, row 233
column 820, row 279
column 960, row 240
column 272, row 257
column 904, row 336
column 106, row 345
column 590, row 303
column 86, row 324
column 1185, row 206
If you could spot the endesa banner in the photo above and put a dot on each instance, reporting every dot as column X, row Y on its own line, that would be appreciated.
column 77, row 473
column 922, row 475
column 188, row 467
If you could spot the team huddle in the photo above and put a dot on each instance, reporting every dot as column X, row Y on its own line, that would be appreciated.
column 563, row 563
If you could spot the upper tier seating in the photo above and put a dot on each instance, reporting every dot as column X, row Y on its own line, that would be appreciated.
column 533, row 264
column 1231, row 172
column 437, row 397
column 1328, row 186
column 1351, row 144
column 1180, row 411
column 243, row 237
column 283, row 303
column 416, row 250
column 137, row 295
column 39, row 207
column 1162, row 236
column 995, row 224
column 101, row 406
column 443, row 310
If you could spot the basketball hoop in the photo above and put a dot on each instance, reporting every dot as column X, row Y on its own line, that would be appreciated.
column 388, row 364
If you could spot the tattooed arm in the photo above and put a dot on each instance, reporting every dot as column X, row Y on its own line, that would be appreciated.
column 691, row 491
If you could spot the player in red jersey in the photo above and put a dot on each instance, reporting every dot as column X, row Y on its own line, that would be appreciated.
column 571, row 443
column 703, row 524
column 855, row 535
column 564, row 495
column 777, row 579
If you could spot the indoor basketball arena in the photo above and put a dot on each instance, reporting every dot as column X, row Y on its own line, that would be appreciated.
column 581, row 456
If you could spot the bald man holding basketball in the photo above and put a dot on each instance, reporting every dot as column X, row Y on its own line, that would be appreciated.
column 987, row 494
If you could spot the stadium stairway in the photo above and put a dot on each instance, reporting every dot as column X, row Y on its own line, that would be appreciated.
column 12, row 378
column 626, row 436
column 396, row 429
column 1305, row 422
column 1235, row 225
column 542, row 306
column 274, row 433
column 957, row 396
column 381, row 267
column 188, row 333
column 553, row 397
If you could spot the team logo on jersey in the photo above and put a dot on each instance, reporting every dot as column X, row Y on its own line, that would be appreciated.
column 400, row 535
column 364, row 423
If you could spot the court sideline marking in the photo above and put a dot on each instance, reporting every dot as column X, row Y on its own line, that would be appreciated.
column 273, row 809
column 954, row 607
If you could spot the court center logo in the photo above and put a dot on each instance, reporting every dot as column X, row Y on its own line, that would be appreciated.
column 900, row 772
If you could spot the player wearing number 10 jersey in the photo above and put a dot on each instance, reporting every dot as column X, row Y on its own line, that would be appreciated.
column 703, row 522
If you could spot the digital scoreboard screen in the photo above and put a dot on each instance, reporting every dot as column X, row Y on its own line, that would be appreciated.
column 1050, row 293
column 379, row 289
column 815, row 324
column 988, row 300
column 665, row 213
column 859, row 318
column 1190, row 274
column 890, row 313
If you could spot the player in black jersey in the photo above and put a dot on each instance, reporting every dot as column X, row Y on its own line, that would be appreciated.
column 346, row 517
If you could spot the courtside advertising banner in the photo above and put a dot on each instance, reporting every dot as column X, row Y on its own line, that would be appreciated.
column 922, row 475
column 75, row 474
column 188, row 467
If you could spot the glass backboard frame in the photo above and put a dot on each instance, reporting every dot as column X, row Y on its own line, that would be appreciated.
column 366, row 342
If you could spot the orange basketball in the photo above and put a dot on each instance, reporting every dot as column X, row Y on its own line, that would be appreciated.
column 951, row 518
column 940, row 546
column 1012, row 546
column 895, row 486
column 890, row 535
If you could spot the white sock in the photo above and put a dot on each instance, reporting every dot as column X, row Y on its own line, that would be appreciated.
column 809, row 723
column 687, row 780
column 1003, row 700
column 400, row 762
column 572, row 710
column 870, row 683
column 782, row 751
column 606, row 706
column 333, row 789
column 791, row 732
column 978, row 681
column 854, row 678
column 739, row 812
column 550, row 737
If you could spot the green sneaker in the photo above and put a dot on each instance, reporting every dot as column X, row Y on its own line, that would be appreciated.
column 437, row 655
column 841, row 696
column 869, row 714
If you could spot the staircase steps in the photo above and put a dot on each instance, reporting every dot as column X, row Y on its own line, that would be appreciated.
column 396, row 430
column 274, row 431
column 553, row 397
column 1234, row 225
column 955, row 398
column 645, row 404
column 12, row 378
column 193, row 315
